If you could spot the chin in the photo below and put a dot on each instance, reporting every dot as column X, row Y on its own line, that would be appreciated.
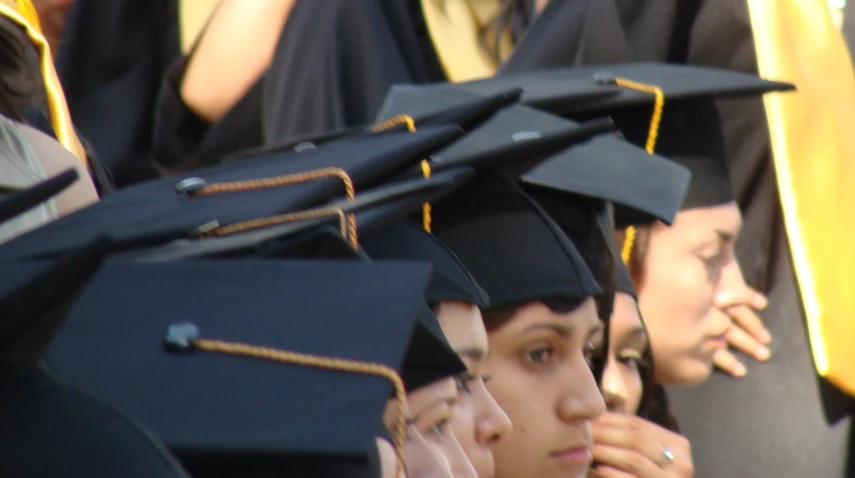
column 684, row 373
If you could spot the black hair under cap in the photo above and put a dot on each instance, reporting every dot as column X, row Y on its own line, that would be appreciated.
column 510, row 245
column 408, row 241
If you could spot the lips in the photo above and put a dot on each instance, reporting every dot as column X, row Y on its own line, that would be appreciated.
column 576, row 455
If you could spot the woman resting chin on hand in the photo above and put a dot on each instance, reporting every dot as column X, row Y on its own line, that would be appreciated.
column 626, row 445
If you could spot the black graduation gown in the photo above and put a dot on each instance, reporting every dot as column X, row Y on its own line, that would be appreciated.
column 336, row 59
column 113, row 56
column 333, row 64
column 773, row 422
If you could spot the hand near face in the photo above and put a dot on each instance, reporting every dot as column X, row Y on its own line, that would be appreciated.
column 748, row 333
column 627, row 446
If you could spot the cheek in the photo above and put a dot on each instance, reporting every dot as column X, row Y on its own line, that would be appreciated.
column 676, row 295
column 463, row 420
column 634, row 390
column 526, row 397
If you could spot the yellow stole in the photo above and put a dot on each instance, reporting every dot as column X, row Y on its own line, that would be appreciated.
column 813, row 141
column 24, row 14
column 453, row 27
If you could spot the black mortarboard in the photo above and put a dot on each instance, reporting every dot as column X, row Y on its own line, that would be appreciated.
column 467, row 113
column 310, row 237
column 516, row 135
column 604, row 89
column 22, row 201
column 162, row 210
column 52, row 429
column 511, row 246
column 405, row 240
column 204, row 402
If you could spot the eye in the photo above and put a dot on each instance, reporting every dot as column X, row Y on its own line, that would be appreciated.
column 440, row 428
column 464, row 381
column 632, row 359
column 594, row 354
column 540, row 355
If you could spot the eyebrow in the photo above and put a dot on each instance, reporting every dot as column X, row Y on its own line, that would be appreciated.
column 450, row 401
column 635, row 335
column 475, row 354
column 725, row 236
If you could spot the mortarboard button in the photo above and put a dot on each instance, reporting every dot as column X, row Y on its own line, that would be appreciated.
column 602, row 78
column 190, row 185
column 181, row 337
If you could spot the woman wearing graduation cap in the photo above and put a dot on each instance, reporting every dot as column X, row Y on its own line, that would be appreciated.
column 478, row 422
column 637, row 434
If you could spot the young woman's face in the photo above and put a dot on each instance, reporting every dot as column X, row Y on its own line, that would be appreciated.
column 621, row 385
column 429, row 434
column 478, row 422
column 540, row 375
column 684, row 267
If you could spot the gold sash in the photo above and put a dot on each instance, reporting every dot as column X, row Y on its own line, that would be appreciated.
column 24, row 14
column 453, row 27
column 813, row 141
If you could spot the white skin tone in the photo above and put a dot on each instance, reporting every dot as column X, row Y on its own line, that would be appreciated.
column 232, row 54
column 432, row 449
column 685, row 267
column 627, row 446
column 388, row 460
column 542, row 379
column 478, row 421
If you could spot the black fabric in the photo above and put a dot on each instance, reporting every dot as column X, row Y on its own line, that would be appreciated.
column 358, row 49
column 20, row 202
column 50, row 429
column 182, row 141
column 153, row 212
column 111, row 62
column 204, row 402
column 624, row 280
column 510, row 245
column 408, row 241
column 689, row 135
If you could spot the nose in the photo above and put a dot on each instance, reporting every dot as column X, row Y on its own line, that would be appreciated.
column 732, row 289
column 491, row 421
column 614, row 388
column 581, row 398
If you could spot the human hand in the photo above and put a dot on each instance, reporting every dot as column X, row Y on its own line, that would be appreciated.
column 748, row 333
column 627, row 446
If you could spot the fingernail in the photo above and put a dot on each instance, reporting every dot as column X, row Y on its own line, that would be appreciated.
column 739, row 370
column 761, row 301
column 765, row 337
column 763, row 353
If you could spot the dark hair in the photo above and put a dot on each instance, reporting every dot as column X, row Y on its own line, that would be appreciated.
column 495, row 318
column 18, row 81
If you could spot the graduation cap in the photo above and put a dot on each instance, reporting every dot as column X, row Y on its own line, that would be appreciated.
column 236, row 357
column 510, row 245
column 624, row 280
column 312, row 235
column 20, row 202
column 217, row 198
column 65, row 432
column 406, row 240
column 467, row 114
column 516, row 135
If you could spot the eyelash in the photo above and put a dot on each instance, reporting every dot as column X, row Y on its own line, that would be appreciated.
column 631, row 361
column 464, row 380
column 440, row 428
column 546, row 349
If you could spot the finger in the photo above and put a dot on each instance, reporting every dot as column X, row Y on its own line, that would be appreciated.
column 605, row 471
column 627, row 460
column 740, row 340
column 758, row 300
column 747, row 319
column 726, row 361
